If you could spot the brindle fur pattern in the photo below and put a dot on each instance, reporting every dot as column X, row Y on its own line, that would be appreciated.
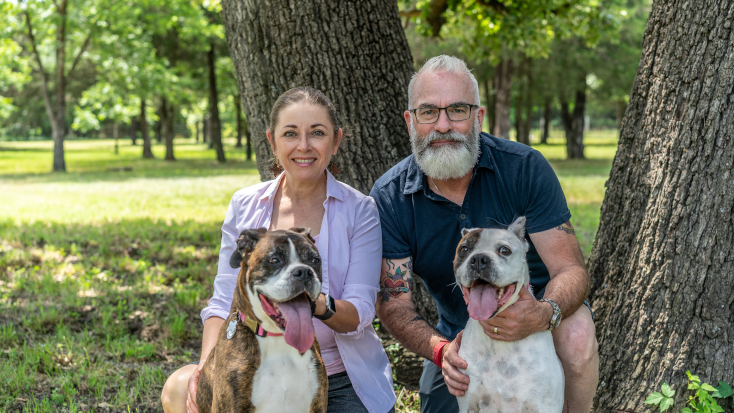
column 226, row 381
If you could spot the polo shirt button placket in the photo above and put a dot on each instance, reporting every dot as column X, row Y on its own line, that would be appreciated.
column 462, row 216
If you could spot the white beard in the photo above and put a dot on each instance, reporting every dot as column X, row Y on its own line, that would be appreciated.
column 446, row 161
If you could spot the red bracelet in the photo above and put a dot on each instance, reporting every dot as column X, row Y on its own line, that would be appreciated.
column 438, row 352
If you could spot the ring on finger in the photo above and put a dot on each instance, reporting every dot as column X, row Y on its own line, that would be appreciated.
column 495, row 330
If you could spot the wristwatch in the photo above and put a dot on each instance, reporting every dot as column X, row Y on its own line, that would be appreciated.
column 330, row 308
column 556, row 317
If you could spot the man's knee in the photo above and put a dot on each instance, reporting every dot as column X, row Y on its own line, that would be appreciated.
column 575, row 341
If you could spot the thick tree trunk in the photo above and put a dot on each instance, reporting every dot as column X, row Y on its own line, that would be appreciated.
column 621, row 107
column 238, row 109
column 575, row 142
column 353, row 51
column 216, row 127
column 503, row 98
column 661, row 267
column 147, row 152
column 546, row 122
column 168, row 133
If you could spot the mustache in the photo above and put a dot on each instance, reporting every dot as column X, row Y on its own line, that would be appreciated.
column 450, row 136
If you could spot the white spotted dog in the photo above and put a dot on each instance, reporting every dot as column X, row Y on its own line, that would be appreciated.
column 519, row 376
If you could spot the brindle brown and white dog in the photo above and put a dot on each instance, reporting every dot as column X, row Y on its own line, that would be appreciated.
column 519, row 376
column 267, row 358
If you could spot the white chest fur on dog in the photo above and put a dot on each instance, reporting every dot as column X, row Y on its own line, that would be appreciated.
column 522, row 376
column 286, row 381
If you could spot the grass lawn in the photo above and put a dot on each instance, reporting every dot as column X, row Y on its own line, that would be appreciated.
column 103, row 271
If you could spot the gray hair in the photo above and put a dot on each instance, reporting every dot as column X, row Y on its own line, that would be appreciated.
column 444, row 63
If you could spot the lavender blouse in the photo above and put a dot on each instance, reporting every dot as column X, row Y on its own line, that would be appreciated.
column 350, row 245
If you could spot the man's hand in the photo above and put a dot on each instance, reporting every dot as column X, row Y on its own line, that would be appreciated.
column 456, row 381
column 523, row 318
column 191, row 406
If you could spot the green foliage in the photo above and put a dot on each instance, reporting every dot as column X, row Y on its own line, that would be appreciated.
column 702, row 400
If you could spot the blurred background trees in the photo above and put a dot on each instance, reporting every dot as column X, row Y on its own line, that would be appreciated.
column 156, row 70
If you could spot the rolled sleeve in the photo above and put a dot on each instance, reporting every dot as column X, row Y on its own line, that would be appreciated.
column 226, row 279
column 365, row 261
column 394, row 242
column 543, row 203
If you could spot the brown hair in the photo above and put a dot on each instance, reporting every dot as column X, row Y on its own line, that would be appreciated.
column 298, row 95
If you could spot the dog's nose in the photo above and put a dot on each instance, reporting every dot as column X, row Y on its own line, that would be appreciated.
column 301, row 273
column 479, row 261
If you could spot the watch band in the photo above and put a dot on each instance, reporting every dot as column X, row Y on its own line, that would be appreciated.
column 556, row 317
column 330, row 308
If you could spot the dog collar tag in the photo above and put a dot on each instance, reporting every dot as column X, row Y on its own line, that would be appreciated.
column 231, row 329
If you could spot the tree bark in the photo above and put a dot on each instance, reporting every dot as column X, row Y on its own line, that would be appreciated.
column 661, row 265
column 546, row 123
column 248, row 136
column 503, row 98
column 197, row 131
column 168, row 133
column 158, row 127
column 147, row 152
column 528, row 101
column 522, row 126
column 216, row 127
column 238, row 109
column 353, row 51
column 575, row 143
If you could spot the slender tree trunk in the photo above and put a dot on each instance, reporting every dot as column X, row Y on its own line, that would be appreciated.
column 205, row 132
column 521, row 124
column 566, row 119
column 238, row 109
column 116, row 136
column 546, row 122
column 661, row 266
column 147, row 152
column 134, row 130
column 249, row 141
column 575, row 142
column 216, row 128
column 489, row 102
column 368, row 89
column 503, row 98
column 168, row 132
column 197, row 131
column 158, row 127
column 528, row 101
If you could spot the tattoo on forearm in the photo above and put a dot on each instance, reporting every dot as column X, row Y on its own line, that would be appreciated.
column 397, row 280
column 567, row 228
column 417, row 318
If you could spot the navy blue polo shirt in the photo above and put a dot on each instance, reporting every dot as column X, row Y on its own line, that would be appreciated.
column 509, row 180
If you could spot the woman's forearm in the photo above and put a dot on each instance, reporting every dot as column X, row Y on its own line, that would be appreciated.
column 344, row 320
column 212, row 325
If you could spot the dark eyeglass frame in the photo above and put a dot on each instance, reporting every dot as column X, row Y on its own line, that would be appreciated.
column 445, row 110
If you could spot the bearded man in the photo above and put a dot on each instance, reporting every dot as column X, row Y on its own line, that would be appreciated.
column 460, row 178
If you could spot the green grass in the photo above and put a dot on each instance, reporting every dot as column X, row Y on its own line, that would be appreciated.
column 103, row 271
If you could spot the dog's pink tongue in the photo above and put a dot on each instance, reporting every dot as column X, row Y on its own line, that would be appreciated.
column 299, row 331
column 482, row 301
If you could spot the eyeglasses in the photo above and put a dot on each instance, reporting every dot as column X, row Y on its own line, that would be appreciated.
column 454, row 112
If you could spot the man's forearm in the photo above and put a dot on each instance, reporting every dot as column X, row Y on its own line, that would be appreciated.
column 406, row 325
column 568, row 289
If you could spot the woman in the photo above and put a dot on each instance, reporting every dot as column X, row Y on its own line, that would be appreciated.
column 304, row 135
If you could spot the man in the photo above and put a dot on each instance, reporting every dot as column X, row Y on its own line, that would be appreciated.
column 460, row 178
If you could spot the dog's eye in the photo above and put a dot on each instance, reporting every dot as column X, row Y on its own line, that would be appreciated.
column 274, row 260
column 315, row 260
column 463, row 250
column 504, row 251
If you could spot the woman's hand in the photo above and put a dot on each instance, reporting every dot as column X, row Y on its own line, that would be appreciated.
column 191, row 406
column 320, row 305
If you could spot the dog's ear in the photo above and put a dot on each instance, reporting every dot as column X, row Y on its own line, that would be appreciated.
column 304, row 231
column 245, row 244
column 518, row 228
column 465, row 231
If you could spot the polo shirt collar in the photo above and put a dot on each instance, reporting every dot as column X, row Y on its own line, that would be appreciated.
column 333, row 189
column 414, row 178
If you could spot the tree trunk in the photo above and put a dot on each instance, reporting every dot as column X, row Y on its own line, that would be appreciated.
column 147, row 152
column 489, row 102
column 575, row 142
column 116, row 136
column 238, row 109
column 661, row 266
column 621, row 107
column 158, row 127
column 205, row 129
column 249, row 141
column 353, row 51
column 503, row 98
column 521, row 117
column 197, row 131
column 546, row 123
column 134, row 130
column 216, row 135
column 168, row 133
column 528, row 101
